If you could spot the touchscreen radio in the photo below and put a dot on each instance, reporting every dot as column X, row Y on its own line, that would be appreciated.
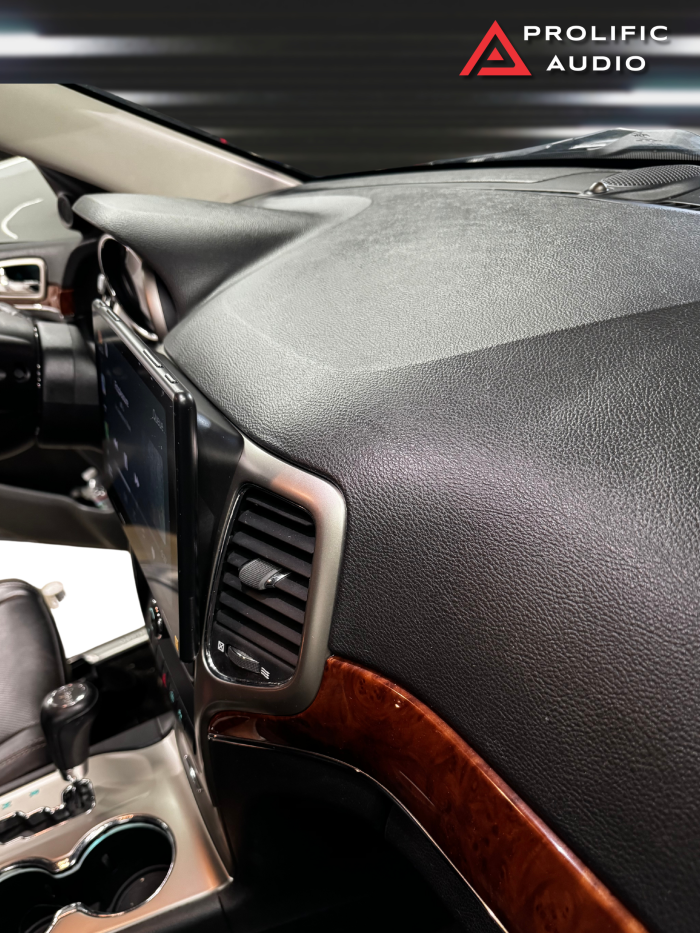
column 149, row 445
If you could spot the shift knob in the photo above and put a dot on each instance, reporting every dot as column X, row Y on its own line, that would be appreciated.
column 66, row 716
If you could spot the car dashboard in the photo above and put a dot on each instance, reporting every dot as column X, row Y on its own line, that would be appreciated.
column 407, row 466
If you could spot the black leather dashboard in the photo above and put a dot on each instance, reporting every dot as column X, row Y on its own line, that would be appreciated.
column 505, row 386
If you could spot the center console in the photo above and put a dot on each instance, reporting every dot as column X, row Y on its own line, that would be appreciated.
column 141, row 850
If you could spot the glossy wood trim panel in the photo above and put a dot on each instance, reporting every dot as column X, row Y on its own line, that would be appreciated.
column 526, row 876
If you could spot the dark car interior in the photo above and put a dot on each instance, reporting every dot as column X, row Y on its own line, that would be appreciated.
column 406, row 464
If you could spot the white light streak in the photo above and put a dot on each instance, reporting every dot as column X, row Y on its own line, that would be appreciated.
column 635, row 97
column 33, row 45
column 13, row 213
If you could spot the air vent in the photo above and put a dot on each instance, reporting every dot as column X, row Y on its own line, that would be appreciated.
column 258, row 621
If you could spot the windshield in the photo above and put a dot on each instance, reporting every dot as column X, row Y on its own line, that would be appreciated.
column 648, row 145
column 660, row 145
column 364, row 87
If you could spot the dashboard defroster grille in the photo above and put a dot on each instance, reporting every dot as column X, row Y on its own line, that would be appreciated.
column 257, row 629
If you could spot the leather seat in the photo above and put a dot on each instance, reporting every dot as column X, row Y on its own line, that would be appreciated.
column 32, row 664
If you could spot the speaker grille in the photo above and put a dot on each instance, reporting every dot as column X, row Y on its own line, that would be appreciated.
column 656, row 176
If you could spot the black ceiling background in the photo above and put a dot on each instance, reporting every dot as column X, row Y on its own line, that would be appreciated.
column 340, row 87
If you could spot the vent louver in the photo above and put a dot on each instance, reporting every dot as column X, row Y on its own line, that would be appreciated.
column 257, row 632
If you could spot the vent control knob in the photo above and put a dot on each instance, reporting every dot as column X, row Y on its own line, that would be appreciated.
column 241, row 659
column 261, row 574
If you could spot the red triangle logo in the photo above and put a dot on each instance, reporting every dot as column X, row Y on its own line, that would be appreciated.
column 519, row 68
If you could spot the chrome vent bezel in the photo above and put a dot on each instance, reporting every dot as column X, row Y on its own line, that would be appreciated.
column 326, row 505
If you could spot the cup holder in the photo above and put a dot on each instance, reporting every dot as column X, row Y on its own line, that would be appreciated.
column 113, row 869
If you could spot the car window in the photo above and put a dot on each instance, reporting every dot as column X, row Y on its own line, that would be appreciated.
column 28, row 208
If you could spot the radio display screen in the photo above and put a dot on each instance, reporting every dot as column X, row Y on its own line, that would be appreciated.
column 142, row 444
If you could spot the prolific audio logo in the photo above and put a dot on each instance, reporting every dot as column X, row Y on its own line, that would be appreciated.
column 500, row 49
column 496, row 37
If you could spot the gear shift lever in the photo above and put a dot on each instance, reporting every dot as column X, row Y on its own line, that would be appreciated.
column 66, row 716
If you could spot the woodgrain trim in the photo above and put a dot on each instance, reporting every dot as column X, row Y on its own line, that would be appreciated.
column 530, row 880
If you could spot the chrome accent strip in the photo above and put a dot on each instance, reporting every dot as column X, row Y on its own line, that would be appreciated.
column 111, row 648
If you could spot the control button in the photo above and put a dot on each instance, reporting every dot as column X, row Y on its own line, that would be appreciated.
column 237, row 658
column 170, row 378
column 153, row 360
column 156, row 619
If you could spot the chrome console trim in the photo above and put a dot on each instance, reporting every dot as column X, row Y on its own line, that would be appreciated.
column 109, row 649
column 144, row 785
column 57, row 866
column 326, row 504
